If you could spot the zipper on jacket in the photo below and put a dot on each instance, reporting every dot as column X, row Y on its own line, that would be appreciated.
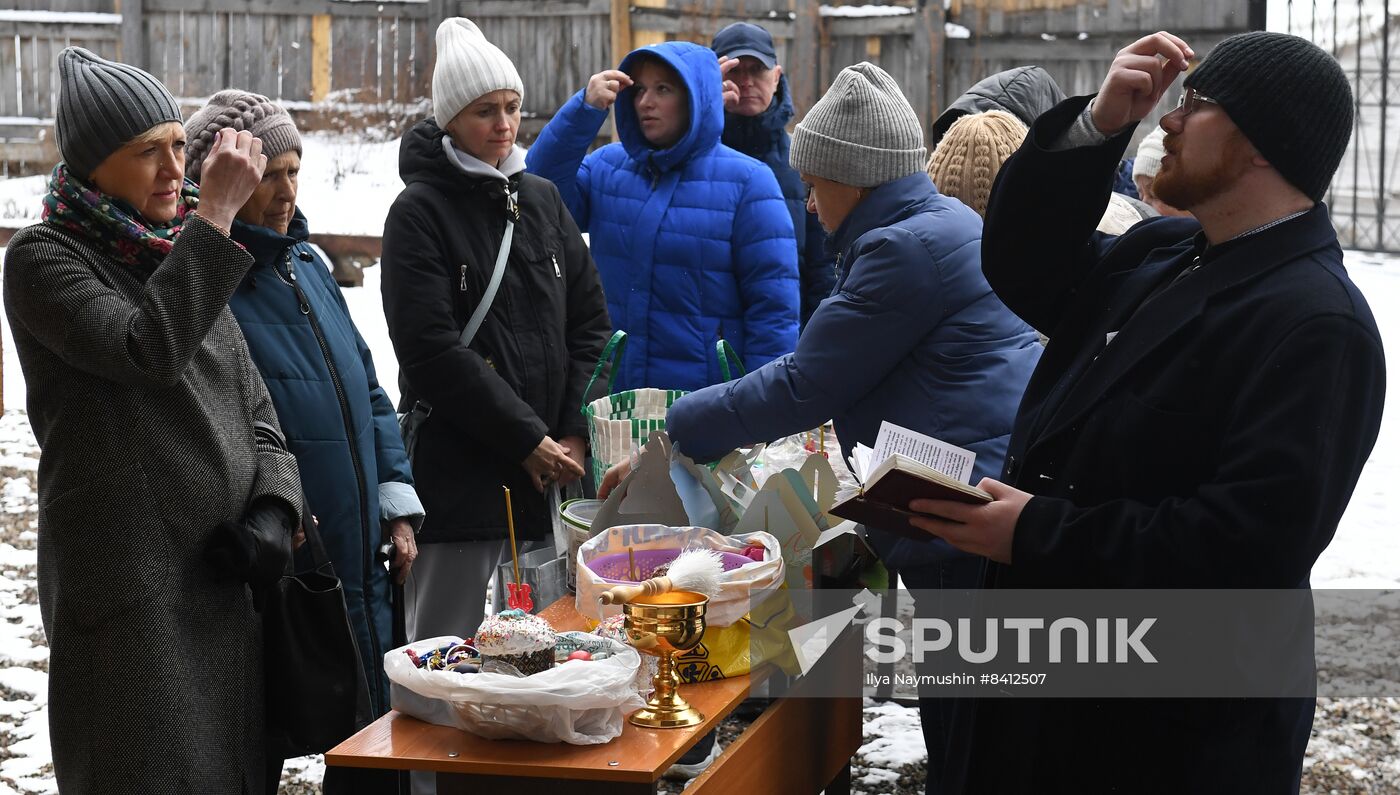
column 366, row 554
column 462, row 285
column 557, row 273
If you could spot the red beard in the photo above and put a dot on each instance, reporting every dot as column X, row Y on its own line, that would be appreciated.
column 1186, row 185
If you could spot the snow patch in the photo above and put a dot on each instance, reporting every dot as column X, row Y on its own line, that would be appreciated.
column 60, row 17
column 893, row 737
column 865, row 11
column 26, row 680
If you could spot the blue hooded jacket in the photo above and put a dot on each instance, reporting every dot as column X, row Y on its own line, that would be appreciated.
column 693, row 243
column 338, row 421
column 765, row 137
column 913, row 334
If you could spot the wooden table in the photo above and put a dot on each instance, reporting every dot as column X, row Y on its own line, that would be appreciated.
column 798, row 745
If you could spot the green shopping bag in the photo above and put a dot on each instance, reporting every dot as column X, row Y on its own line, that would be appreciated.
column 623, row 421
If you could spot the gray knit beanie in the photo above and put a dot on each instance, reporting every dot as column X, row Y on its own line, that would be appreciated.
column 862, row 132
column 102, row 105
column 468, row 67
column 238, row 110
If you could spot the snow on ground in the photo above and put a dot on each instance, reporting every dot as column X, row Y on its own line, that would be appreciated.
column 368, row 310
column 348, row 183
column 1366, row 550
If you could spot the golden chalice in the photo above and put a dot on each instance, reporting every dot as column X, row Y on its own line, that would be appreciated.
column 662, row 625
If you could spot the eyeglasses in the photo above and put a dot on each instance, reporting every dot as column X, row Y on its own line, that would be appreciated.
column 1190, row 102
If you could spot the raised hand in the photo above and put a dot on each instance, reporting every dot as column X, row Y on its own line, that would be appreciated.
column 604, row 87
column 729, row 90
column 1140, row 74
column 613, row 478
column 231, row 173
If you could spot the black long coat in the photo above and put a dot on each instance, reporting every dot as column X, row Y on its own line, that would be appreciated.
column 525, row 373
column 1213, row 443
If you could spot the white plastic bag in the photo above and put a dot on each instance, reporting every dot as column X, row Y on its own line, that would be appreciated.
column 583, row 702
column 736, row 586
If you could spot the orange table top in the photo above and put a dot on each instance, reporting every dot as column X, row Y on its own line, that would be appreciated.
column 639, row 755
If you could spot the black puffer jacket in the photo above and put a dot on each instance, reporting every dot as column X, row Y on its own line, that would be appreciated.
column 1025, row 92
column 525, row 373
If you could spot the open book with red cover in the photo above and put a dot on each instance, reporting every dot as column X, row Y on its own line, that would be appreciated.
column 883, row 500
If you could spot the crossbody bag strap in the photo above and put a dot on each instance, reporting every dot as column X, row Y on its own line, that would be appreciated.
column 479, row 315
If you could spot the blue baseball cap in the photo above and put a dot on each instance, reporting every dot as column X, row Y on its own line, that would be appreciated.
column 743, row 38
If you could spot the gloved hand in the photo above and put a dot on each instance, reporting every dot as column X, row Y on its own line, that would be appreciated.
column 255, row 550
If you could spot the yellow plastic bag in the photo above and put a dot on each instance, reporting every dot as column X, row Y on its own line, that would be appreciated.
column 759, row 638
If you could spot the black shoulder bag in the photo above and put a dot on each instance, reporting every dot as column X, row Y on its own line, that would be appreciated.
column 316, row 690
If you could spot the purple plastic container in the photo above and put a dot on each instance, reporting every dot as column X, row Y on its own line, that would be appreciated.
column 613, row 567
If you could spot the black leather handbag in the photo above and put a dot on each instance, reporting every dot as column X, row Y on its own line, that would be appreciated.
column 317, row 693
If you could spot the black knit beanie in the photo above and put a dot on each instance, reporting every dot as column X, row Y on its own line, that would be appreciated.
column 1290, row 99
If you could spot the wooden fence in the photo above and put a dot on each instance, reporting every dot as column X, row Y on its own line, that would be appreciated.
column 339, row 53
column 309, row 50
column 1077, row 41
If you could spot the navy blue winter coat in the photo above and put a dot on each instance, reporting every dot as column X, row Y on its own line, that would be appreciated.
column 913, row 334
column 338, row 421
column 693, row 243
column 765, row 137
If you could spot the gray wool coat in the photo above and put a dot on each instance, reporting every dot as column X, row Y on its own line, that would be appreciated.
column 143, row 397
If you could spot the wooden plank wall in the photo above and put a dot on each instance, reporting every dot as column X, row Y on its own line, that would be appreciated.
column 378, row 52
column 556, row 44
column 1076, row 42
column 907, row 46
column 383, row 52
column 28, row 57
column 101, row 6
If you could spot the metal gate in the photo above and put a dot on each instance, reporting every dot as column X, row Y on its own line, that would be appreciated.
column 1362, row 35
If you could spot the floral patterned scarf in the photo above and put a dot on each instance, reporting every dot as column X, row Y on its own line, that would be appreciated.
column 113, row 223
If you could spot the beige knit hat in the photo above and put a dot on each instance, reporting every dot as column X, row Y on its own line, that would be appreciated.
column 238, row 110
column 1149, row 154
column 862, row 132
column 967, row 160
column 468, row 67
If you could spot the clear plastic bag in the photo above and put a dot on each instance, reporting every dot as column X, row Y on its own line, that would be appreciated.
column 582, row 702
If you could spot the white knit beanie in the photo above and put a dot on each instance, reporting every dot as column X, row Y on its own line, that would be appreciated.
column 468, row 67
column 1149, row 155
column 862, row 132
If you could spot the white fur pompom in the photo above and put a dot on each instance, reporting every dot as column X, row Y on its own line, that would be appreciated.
column 696, row 570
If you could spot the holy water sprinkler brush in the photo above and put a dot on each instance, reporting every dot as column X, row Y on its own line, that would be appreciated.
column 696, row 570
